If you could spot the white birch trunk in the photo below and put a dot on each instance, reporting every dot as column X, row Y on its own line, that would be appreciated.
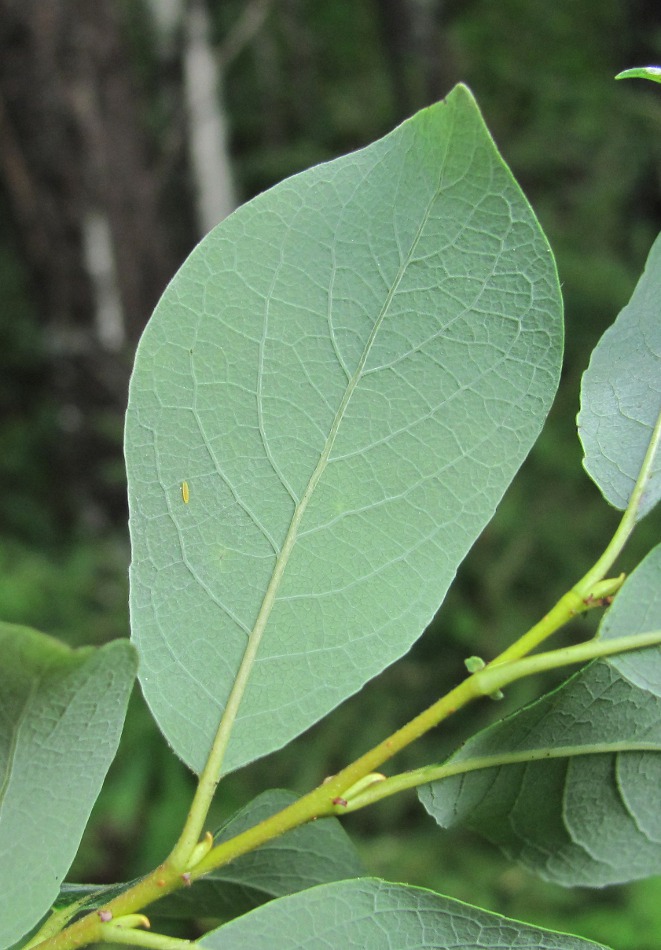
column 208, row 133
column 101, row 267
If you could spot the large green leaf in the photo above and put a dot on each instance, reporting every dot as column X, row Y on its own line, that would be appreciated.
column 343, row 378
column 61, row 715
column 621, row 396
column 569, row 786
column 312, row 854
column 368, row 914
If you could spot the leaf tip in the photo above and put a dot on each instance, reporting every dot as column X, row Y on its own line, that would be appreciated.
column 652, row 73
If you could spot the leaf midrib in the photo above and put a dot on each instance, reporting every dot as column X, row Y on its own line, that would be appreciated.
column 255, row 637
column 529, row 756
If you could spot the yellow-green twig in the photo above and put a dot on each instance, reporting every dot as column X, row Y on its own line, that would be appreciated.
column 328, row 799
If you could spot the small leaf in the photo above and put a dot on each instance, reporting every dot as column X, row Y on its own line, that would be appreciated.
column 346, row 373
column 641, row 72
column 621, row 396
column 61, row 715
column 569, row 786
column 368, row 914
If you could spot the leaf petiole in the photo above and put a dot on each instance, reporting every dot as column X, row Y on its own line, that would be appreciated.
column 592, row 587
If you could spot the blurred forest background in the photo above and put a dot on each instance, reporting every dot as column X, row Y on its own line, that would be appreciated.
column 128, row 128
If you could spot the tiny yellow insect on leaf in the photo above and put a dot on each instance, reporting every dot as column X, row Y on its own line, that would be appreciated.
column 185, row 492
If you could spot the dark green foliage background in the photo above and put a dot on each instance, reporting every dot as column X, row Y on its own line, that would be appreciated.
column 587, row 151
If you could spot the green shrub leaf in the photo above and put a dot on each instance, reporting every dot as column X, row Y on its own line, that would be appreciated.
column 61, row 715
column 574, row 791
column 621, row 396
column 326, row 407
column 367, row 914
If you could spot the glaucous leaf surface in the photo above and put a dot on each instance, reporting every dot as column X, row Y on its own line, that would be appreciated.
column 621, row 395
column 569, row 786
column 368, row 914
column 312, row 854
column 327, row 405
column 61, row 715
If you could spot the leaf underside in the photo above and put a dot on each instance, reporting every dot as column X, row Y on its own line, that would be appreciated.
column 61, row 715
column 621, row 395
column 326, row 407
column 374, row 915
column 578, row 803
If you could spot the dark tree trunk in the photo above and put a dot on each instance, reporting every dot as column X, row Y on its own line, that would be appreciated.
column 421, row 64
column 396, row 27
column 80, row 181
